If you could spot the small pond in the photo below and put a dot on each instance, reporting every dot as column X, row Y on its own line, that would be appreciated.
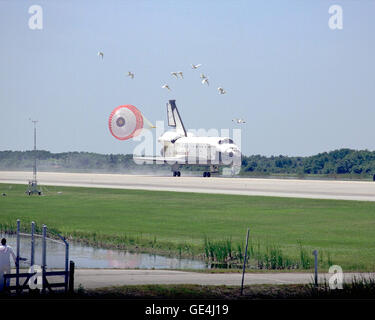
column 90, row 257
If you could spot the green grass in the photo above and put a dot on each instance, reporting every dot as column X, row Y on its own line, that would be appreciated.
column 342, row 231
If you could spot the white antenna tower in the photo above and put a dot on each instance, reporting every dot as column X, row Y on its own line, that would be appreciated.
column 33, row 184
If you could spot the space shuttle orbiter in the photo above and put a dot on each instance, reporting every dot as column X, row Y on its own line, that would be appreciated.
column 183, row 148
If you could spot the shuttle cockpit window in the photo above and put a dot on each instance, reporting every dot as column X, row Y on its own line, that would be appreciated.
column 224, row 141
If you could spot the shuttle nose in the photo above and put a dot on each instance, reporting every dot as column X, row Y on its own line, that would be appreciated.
column 233, row 152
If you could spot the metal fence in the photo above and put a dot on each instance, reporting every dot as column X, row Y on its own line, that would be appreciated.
column 39, row 277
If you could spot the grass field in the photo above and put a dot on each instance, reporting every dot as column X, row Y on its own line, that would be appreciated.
column 342, row 231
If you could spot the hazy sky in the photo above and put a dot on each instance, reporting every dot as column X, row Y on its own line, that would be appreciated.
column 302, row 87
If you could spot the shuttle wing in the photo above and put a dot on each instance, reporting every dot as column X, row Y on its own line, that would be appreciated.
column 169, row 160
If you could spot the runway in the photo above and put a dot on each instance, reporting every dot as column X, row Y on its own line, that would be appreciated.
column 318, row 189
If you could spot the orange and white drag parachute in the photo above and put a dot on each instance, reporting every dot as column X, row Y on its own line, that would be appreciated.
column 126, row 122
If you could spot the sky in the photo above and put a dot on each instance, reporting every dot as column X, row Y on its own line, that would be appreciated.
column 302, row 87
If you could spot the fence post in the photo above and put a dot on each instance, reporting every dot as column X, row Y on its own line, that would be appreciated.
column 71, row 277
column 66, row 265
column 32, row 244
column 315, row 253
column 44, row 258
column 66, row 278
column 18, row 254
column 244, row 262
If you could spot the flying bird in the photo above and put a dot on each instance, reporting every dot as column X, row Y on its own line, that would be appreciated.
column 166, row 87
column 205, row 81
column 101, row 54
column 195, row 66
column 203, row 76
column 239, row 121
column 177, row 74
column 131, row 74
column 221, row 90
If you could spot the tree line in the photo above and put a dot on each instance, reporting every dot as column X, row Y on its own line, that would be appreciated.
column 337, row 162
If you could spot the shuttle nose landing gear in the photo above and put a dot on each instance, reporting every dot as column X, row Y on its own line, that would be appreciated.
column 214, row 169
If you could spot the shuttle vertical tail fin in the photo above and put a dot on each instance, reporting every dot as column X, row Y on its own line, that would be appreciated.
column 174, row 119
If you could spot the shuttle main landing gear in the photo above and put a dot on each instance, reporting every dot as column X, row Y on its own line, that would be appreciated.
column 207, row 174
column 176, row 170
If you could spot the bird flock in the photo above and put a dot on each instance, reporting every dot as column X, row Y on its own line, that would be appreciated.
column 179, row 75
column 203, row 77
